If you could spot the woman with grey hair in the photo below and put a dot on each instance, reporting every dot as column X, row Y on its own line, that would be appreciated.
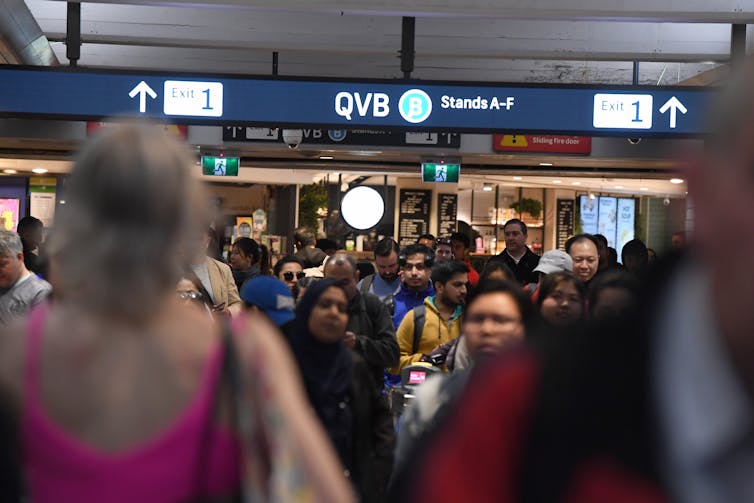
column 125, row 393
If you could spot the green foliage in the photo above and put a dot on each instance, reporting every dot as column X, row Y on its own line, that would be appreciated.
column 530, row 206
column 311, row 198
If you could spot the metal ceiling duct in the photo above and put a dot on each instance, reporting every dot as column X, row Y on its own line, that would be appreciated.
column 23, row 35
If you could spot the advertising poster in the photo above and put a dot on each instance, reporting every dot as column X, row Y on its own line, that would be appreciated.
column 9, row 213
column 606, row 223
column 588, row 214
column 259, row 220
column 243, row 227
column 42, row 198
column 626, row 216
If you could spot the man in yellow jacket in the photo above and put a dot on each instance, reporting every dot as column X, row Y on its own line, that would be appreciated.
column 439, row 316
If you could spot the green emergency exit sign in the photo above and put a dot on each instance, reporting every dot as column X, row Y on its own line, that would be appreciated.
column 440, row 172
column 220, row 166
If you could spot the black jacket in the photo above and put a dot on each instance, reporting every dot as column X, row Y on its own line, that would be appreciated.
column 310, row 256
column 524, row 270
column 375, row 336
column 373, row 436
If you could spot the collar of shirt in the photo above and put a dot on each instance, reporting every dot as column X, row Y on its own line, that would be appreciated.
column 516, row 260
column 421, row 294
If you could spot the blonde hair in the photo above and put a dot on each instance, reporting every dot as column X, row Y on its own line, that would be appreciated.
column 129, row 224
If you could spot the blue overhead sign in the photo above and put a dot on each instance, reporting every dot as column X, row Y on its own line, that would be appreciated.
column 458, row 107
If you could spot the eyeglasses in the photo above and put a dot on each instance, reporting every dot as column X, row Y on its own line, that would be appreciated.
column 289, row 275
column 189, row 295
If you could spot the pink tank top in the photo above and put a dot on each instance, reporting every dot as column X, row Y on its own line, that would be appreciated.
column 62, row 469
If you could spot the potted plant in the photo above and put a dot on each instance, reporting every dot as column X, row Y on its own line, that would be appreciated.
column 532, row 207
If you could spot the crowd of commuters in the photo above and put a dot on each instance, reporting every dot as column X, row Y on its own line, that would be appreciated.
column 145, row 370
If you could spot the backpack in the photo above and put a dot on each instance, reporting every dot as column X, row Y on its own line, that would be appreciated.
column 366, row 284
column 389, row 301
column 420, row 316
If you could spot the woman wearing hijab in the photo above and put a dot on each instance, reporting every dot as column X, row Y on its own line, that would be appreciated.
column 339, row 386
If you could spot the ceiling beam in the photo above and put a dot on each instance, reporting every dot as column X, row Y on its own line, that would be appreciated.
column 677, row 11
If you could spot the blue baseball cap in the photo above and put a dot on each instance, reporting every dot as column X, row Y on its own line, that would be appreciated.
column 271, row 296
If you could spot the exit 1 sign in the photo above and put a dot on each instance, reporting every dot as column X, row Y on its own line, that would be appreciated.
column 440, row 172
column 220, row 166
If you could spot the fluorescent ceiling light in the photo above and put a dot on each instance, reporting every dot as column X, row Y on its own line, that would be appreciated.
column 39, row 171
column 10, row 171
column 676, row 181
column 517, row 178
column 326, row 157
column 545, row 164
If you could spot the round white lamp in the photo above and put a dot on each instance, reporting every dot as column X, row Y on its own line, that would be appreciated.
column 362, row 207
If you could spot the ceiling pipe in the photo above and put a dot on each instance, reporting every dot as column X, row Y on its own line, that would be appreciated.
column 73, row 33
column 23, row 34
column 408, row 36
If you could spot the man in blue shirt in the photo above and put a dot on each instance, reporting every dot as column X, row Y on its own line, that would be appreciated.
column 416, row 266
column 415, row 269
column 386, row 282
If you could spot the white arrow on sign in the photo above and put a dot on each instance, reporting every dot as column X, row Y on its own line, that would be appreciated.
column 142, row 89
column 675, row 106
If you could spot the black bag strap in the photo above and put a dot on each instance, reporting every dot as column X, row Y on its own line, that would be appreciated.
column 420, row 316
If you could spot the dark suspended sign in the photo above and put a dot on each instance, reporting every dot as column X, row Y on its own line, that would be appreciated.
column 361, row 137
column 339, row 104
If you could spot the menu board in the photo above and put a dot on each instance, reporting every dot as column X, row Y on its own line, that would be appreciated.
column 564, row 224
column 413, row 219
column 447, row 214
column 607, row 222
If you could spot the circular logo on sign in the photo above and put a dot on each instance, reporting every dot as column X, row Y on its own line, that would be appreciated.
column 415, row 106
column 337, row 134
